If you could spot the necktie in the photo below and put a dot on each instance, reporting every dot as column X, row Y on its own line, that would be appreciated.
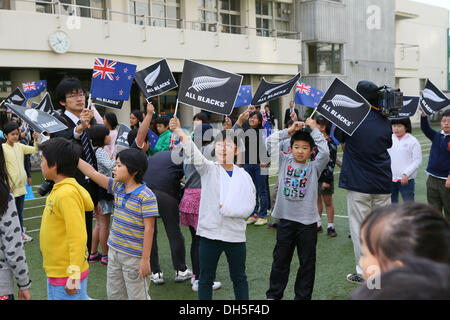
column 85, row 143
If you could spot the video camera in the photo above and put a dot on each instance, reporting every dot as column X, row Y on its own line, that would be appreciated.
column 390, row 101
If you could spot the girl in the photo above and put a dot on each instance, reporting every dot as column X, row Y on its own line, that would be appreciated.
column 406, row 159
column 110, row 121
column 14, row 157
column 227, row 198
column 130, row 239
column 136, row 117
column 326, row 180
column 11, row 265
column 100, row 136
column 396, row 232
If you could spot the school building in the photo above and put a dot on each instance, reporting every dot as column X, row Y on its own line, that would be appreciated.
column 324, row 39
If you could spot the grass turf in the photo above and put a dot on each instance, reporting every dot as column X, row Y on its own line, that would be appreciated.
column 335, row 258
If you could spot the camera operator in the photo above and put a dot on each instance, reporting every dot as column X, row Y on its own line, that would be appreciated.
column 366, row 168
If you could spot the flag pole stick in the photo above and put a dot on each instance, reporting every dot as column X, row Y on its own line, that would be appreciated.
column 176, row 108
column 313, row 113
column 89, row 101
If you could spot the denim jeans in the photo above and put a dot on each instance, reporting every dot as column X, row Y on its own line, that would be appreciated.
column 407, row 191
column 260, row 182
column 59, row 292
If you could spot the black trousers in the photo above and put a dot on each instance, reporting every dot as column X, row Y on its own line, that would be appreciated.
column 195, row 245
column 291, row 235
column 169, row 213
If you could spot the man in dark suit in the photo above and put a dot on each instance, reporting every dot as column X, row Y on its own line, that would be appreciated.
column 268, row 115
column 287, row 114
column 71, row 96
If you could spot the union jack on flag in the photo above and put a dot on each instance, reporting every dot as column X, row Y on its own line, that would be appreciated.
column 28, row 86
column 307, row 95
column 112, row 79
column 104, row 68
column 33, row 88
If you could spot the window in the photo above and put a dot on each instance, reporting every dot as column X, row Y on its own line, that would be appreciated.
column 82, row 8
column 4, row 4
column 226, row 13
column 282, row 17
column 324, row 58
column 42, row 7
column 5, row 80
column 138, row 10
column 161, row 13
column 264, row 17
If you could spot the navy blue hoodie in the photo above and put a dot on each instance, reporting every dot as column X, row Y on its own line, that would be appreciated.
column 439, row 161
column 366, row 166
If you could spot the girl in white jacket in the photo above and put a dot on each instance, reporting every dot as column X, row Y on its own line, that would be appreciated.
column 227, row 199
column 406, row 159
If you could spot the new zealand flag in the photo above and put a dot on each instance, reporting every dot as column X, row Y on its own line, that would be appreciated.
column 34, row 88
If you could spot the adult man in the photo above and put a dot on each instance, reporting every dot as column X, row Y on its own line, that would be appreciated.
column 71, row 96
column 287, row 114
column 366, row 170
column 268, row 115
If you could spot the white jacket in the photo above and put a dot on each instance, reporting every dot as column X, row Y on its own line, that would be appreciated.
column 225, row 202
column 406, row 156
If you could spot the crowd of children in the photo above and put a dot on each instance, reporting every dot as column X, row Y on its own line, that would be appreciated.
column 225, row 189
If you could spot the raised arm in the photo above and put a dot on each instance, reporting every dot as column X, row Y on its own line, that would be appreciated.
column 93, row 174
column 143, row 128
column 323, row 156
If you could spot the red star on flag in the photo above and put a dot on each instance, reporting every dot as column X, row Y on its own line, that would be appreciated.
column 121, row 92
column 117, row 78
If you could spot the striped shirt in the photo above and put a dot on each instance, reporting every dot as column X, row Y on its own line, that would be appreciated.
column 130, row 209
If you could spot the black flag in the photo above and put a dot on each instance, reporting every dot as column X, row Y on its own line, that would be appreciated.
column 409, row 109
column 38, row 120
column 208, row 88
column 155, row 79
column 268, row 91
column 16, row 97
column 46, row 104
column 108, row 103
column 344, row 107
column 122, row 137
column 433, row 99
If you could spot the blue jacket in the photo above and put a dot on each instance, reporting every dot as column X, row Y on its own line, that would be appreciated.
column 366, row 166
column 439, row 160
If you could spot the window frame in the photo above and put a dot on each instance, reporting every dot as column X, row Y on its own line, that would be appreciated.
column 333, row 59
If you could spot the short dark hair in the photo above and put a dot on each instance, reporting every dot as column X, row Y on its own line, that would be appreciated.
column 10, row 127
column 201, row 116
column 404, row 121
column 321, row 120
column 62, row 153
column 132, row 136
column 397, row 231
column 289, row 123
column 138, row 114
column 446, row 113
column 112, row 119
column 67, row 85
column 136, row 162
column 302, row 135
column 98, row 133
column 260, row 118
column 164, row 120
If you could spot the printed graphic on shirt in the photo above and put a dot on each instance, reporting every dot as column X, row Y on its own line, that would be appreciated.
column 295, row 183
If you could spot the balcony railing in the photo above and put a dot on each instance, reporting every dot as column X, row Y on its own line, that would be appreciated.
column 58, row 8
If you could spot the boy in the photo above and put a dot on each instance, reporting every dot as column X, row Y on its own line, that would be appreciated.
column 296, row 207
column 438, row 169
column 162, row 126
column 63, row 229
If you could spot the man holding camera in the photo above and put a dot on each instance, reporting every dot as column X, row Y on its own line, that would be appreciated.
column 366, row 168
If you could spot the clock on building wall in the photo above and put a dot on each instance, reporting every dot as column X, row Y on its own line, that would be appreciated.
column 59, row 41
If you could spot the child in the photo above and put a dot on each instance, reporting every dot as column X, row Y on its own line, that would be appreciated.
column 394, row 233
column 227, row 198
column 162, row 126
column 326, row 180
column 438, row 169
column 12, row 255
column 406, row 158
column 14, row 157
column 110, row 121
column 136, row 117
column 130, row 239
column 100, row 139
column 296, row 207
column 63, row 233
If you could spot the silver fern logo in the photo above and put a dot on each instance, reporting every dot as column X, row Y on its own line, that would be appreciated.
column 152, row 76
column 431, row 95
column 206, row 82
column 32, row 114
column 407, row 102
column 340, row 100
column 273, row 89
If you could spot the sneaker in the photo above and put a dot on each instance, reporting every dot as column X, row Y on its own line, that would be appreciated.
column 94, row 257
column 252, row 219
column 319, row 229
column 157, row 278
column 355, row 278
column 26, row 238
column 331, row 232
column 181, row 276
column 216, row 285
column 261, row 222
column 104, row 260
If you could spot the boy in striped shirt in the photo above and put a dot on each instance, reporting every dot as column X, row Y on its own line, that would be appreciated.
column 131, row 235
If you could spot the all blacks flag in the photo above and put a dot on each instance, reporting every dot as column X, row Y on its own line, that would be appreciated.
column 433, row 99
column 155, row 79
column 268, row 91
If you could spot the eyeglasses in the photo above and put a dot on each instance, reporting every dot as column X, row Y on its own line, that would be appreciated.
column 78, row 95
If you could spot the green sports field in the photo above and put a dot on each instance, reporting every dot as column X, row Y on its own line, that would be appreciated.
column 335, row 257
